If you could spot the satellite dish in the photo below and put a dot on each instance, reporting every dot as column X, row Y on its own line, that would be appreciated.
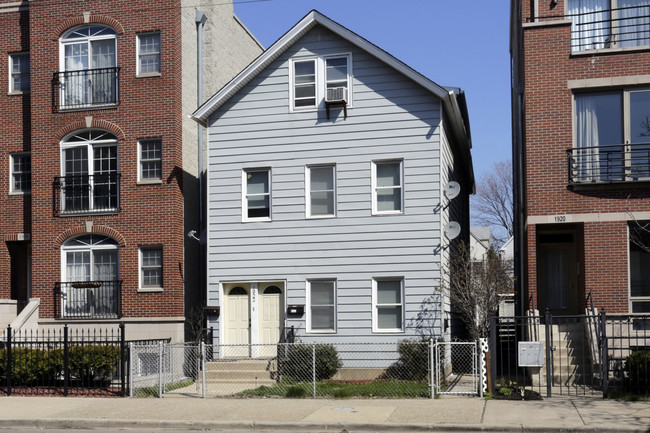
column 451, row 190
column 452, row 230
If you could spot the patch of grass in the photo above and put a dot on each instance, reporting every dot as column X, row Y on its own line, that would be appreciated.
column 619, row 395
column 384, row 389
column 152, row 391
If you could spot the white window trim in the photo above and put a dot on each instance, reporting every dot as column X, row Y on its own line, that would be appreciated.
column 65, row 248
column 162, row 267
column 142, row 181
column 137, row 55
column 375, row 315
column 64, row 40
column 308, row 306
column 320, row 81
column 12, row 191
column 244, row 191
column 13, row 91
column 373, row 171
column 308, row 191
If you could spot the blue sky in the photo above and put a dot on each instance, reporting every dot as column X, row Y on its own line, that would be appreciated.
column 462, row 43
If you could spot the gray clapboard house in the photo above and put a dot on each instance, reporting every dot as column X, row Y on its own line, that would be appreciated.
column 327, row 158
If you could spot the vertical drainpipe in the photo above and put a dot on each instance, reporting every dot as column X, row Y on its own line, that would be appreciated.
column 200, row 20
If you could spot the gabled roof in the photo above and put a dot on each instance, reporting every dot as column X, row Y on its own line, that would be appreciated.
column 453, row 98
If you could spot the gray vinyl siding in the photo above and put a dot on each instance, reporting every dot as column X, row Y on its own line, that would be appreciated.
column 391, row 118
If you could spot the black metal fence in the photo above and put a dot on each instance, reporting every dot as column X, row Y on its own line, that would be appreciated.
column 86, row 194
column 88, row 300
column 571, row 355
column 63, row 362
column 86, row 88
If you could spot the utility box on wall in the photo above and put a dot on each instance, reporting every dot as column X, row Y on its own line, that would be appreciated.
column 530, row 353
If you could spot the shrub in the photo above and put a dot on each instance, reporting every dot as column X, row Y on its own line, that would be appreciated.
column 637, row 366
column 413, row 362
column 86, row 363
column 296, row 392
column 297, row 365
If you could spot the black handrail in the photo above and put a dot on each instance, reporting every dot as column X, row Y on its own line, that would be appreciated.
column 86, row 194
column 88, row 299
column 86, row 88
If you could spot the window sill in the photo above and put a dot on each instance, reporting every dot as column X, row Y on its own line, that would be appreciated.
column 388, row 331
column 17, row 93
column 150, row 289
column 149, row 75
column 149, row 182
column 320, row 217
column 256, row 220
column 20, row 193
column 321, row 332
column 387, row 213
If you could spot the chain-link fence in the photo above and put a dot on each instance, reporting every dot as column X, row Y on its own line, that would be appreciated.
column 165, row 368
column 404, row 369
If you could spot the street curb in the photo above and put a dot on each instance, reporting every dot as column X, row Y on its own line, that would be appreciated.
column 303, row 427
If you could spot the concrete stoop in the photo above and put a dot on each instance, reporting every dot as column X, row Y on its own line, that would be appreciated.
column 249, row 372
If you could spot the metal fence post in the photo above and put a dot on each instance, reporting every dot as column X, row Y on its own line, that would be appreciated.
column 122, row 360
column 160, row 368
column 431, row 369
column 604, row 353
column 66, row 361
column 313, row 365
column 203, row 374
column 131, row 363
column 549, row 357
column 10, row 365
column 492, row 348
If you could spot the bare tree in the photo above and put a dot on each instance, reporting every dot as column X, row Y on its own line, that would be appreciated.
column 474, row 287
column 492, row 203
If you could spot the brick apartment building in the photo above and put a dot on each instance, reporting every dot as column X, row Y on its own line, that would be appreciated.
column 581, row 153
column 100, row 160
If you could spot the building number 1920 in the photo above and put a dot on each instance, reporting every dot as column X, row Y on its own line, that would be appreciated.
column 559, row 218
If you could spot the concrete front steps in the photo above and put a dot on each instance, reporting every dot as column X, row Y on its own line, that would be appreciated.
column 230, row 376
column 572, row 363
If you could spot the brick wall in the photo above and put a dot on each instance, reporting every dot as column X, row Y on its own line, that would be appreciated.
column 548, row 124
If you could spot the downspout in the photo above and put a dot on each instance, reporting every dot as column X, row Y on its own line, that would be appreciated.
column 200, row 19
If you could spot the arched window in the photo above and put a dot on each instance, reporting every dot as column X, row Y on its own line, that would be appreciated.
column 272, row 290
column 90, row 274
column 89, row 66
column 89, row 172
column 237, row 291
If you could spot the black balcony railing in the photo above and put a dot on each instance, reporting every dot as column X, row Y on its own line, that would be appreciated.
column 87, row 88
column 88, row 300
column 609, row 164
column 608, row 28
column 86, row 194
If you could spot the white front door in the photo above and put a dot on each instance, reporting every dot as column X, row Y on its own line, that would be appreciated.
column 237, row 323
column 270, row 318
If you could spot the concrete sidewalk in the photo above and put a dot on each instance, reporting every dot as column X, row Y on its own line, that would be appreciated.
column 319, row 415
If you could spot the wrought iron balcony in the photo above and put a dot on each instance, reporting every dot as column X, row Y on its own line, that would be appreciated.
column 88, row 300
column 86, row 89
column 607, row 28
column 609, row 164
column 84, row 194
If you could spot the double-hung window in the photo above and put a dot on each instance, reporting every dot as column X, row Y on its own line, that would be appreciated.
column 150, row 155
column 609, row 23
column 256, row 200
column 387, row 187
column 149, row 53
column 639, row 267
column 388, row 305
column 312, row 76
column 151, row 268
column 21, row 173
column 321, row 297
column 321, row 191
column 19, row 73
column 612, row 142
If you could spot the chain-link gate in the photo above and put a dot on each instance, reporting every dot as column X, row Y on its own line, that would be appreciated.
column 157, row 369
column 457, row 368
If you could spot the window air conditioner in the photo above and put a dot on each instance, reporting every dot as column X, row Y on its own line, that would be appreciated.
column 337, row 94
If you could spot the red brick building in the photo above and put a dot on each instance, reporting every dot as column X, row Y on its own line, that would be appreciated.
column 100, row 160
column 581, row 153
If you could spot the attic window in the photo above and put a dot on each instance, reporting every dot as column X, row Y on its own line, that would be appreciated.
column 318, row 82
